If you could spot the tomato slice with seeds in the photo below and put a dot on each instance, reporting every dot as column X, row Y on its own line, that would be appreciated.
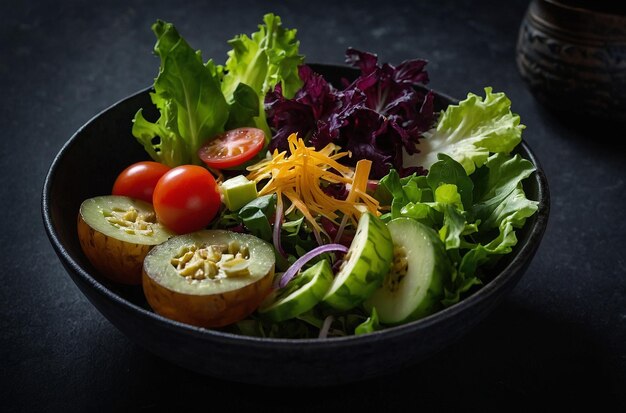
column 232, row 148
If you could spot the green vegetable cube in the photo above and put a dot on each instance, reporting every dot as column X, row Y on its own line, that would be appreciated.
column 237, row 192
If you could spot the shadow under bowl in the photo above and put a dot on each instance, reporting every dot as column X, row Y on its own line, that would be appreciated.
column 87, row 165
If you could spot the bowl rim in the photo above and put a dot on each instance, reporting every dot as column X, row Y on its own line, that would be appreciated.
column 490, row 288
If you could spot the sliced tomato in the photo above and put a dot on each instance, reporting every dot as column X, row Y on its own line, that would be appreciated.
column 232, row 148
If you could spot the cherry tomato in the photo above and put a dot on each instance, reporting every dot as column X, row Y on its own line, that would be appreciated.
column 186, row 198
column 232, row 148
column 139, row 180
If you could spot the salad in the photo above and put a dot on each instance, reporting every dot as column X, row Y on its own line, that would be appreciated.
column 276, row 204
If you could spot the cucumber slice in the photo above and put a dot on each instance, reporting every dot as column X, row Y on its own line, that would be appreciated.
column 300, row 295
column 116, row 233
column 209, row 278
column 125, row 219
column 414, row 287
column 366, row 263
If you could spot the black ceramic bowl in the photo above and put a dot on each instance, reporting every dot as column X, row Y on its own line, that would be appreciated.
column 87, row 166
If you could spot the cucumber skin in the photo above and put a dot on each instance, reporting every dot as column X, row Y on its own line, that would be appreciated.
column 369, row 270
column 321, row 274
column 431, row 303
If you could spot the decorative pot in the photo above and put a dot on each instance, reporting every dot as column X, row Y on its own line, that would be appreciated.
column 573, row 56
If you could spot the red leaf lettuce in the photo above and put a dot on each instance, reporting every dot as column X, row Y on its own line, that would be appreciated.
column 382, row 112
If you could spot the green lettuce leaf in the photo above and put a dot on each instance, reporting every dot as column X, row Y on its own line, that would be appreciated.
column 161, row 139
column 498, row 191
column 188, row 95
column 244, row 107
column 256, row 216
column 470, row 131
column 370, row 325
column 403, row 192
column 448, row 171
column 199, row 100
column 475, row 215
column 267, row 58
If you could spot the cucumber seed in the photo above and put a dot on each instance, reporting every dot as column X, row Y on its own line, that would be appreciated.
column 399, row 268
column 130, row 220
column 212, row 261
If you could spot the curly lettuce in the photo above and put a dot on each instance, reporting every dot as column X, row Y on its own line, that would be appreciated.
column 188, row 94
column 268, row 58
column 475, row 215
column 470, row 131
column 197, row 100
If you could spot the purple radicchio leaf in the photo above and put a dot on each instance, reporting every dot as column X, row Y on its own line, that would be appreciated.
column 382, row 113
column 298, row 115
column 329, row 127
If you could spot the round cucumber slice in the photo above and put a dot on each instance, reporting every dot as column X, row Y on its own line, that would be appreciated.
column 414, row 286
column 299, row 296
column 208, row 278
column 116, row 233
column 366, row 263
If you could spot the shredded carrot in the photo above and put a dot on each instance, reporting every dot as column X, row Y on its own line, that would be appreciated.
column 301, row 176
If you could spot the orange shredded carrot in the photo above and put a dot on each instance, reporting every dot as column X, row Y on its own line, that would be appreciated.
column 301, row 175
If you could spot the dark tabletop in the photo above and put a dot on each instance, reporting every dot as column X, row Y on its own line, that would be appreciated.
column 559, row 339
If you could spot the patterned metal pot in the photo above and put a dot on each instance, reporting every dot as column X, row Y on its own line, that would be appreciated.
column 573, row 56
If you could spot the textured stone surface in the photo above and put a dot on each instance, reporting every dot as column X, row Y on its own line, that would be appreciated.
column 559, row 336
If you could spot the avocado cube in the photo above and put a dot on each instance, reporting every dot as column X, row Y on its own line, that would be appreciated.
column 237, row 192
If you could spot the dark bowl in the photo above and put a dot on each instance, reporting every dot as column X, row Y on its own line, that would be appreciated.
column 87, row 165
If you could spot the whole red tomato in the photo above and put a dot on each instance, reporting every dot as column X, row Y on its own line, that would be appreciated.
column 186, row 198
column 139, row 180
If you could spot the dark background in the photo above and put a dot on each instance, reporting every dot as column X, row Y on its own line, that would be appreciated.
column 559, row 340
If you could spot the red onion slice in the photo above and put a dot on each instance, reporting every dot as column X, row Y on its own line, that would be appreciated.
column 278, row 222
column 300, row 262
column 372, row 185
